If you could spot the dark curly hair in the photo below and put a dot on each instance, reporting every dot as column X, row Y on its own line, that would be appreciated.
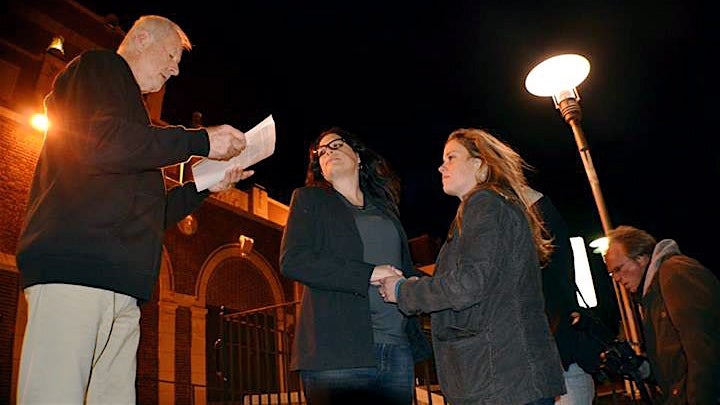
column 378, row 181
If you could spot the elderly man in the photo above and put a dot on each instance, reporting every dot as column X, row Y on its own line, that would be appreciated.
column 680, row 303
column 90, row 248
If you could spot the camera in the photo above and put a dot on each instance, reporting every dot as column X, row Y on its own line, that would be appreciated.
column 620, row 359
column 603, row 351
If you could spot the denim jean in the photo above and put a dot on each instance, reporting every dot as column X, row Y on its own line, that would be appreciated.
column 391, row 382
column 580, row 387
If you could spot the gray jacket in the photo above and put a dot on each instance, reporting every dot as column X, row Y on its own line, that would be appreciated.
column 489, row 330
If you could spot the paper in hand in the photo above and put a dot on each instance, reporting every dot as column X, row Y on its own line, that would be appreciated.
column 260, row 144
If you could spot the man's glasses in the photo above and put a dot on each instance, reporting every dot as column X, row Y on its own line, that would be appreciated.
column 335, row 144
column 619, row 268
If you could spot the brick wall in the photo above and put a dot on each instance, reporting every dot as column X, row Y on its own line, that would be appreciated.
column 8, row 302
column 18, row 153
column 183, row 335
column 215, row 228
column 19, row 148
column 147, row 361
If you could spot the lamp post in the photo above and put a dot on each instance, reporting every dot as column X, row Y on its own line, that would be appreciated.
column 558, row 77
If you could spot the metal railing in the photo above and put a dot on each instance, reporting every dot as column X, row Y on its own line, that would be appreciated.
column 252, row 361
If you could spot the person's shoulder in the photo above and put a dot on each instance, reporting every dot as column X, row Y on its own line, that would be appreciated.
column 99, row 55
column 483, row 194
column 314, row 198
column 680, row 261
column 96, row 59
column 310, row 192
column 307, row 190
column 683, row 265
column 679, row 272
column 482, row 203
column 487, row 197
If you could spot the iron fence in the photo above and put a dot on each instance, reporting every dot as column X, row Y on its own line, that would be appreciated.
column 252, row 361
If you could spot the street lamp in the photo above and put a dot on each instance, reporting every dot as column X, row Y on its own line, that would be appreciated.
column 558, row 77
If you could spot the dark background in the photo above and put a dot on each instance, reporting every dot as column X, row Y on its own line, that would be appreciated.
column 403, row 75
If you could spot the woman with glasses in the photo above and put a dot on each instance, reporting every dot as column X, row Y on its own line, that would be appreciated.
column 489, row 330
column 343, row 227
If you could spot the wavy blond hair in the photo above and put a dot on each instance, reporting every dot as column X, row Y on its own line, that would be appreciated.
column 503, row 171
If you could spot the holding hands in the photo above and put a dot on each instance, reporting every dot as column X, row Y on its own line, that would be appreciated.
column 225, row 142
column 386, row 278
column 382, row 271
column 388, row 287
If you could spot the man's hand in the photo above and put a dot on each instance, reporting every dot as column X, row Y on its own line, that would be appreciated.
column 225, row 142
column 232, row 176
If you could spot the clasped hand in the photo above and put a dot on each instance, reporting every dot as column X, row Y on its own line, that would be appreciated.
column 385, row 277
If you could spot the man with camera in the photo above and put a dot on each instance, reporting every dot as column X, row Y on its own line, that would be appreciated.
column 679, row 300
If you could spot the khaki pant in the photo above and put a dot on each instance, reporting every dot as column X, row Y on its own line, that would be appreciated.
column 80, row 346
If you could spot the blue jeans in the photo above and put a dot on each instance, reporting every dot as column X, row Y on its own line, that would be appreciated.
column 580, row 387
column 391, row 382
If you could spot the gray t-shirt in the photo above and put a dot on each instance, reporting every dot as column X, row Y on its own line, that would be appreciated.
column 382, row 245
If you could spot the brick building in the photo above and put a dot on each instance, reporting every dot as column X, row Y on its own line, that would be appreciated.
column 206, row 265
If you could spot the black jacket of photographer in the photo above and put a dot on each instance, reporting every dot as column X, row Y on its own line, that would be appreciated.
column 580, row 344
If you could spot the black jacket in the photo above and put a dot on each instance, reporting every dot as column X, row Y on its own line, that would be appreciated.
column 584, row 342
column 558, row 277
column 322, row 249
column 98, row 208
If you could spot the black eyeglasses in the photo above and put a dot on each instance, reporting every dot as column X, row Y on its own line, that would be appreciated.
column 335, row 144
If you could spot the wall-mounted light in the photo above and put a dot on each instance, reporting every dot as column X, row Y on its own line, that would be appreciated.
column 188, row 225
column 57, row 45
column 246, row 245
column 39, row 122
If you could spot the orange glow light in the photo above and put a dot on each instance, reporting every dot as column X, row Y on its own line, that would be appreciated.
column 40, row 122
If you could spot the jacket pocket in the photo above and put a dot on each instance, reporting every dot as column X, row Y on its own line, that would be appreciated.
column 454, row 325
column 466, row 367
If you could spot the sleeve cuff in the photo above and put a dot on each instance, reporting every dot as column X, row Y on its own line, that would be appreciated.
column 397, row 287
column 199, row 142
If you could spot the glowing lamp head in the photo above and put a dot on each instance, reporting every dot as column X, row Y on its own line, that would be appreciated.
column 600, row 245
column 557, row 76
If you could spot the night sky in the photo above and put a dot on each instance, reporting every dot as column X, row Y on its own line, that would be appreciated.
column 403, row 75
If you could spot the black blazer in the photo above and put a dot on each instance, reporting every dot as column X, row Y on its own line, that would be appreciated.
column 322, row 249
